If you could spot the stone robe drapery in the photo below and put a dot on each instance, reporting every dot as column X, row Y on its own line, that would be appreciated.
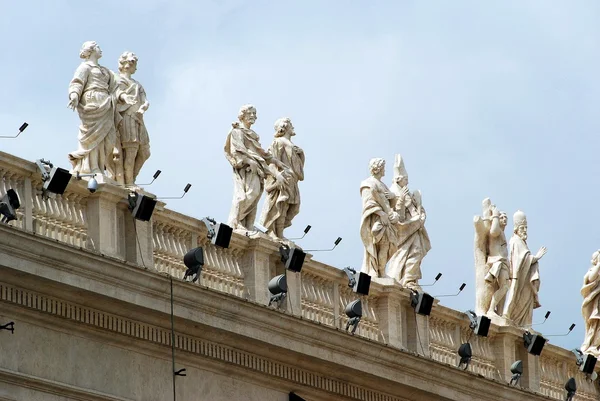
column 94, row 85
column 591, row 313
column 241, row 148
column 285, row 199
column 374, row 234
column 525, row 276
column 412, row 245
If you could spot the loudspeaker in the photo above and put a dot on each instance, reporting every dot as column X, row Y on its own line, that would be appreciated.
column 58, row 181
column 363, row 283
column 535, row 344
column 143, row 208
column 422, row 302
column 589, row 362
column 222, row 235
column 483, row 326
column 295, row 260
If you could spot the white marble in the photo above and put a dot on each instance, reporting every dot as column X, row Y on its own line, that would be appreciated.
column 525, row 276
column 283, row 201
column 251, row 165
column 591, row 308
column 133, row 145
column 378, row 229
column 412, row 243
column 491, row 261
column 91, row 93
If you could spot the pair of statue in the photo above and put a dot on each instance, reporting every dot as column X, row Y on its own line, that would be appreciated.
column 508, row 280
column 112, row 135
column 392, row 226
column 276, row 171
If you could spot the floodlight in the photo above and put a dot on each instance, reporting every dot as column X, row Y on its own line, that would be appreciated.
column 55, row 179
column 335, row 244
column 185, row 191
column 141, row 206
column 439, row 276
column 479, row 324
column 462, row 287
column 585, row 362
column 465, row 353
column 354, row 312
column 306, row 230
column 154, row 177
column 534, row 343
column 571, row 388
column 295, row 397
column 193, row 260
column 219, row 234
column 293, row 258
column 421, row 302
column 21, row 129
column 517, row 370
column 359, row 282
column 9, row 203
column 278, row 289
column 9, row 326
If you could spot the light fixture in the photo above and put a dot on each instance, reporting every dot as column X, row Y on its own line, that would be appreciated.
column 293, row 258
column 534, row 343
column 55, row 179
column 586, row 362
column 354, row 312
column 421, row 302
column 92, row 183
column 465, row 353
column 517, row 370
column 295, row 397
column 439, row 276
column 359, row 282
column 21, row 129
column 571, row 388
column 9, row 326
column 306, row 230
column 219, row 234
column 185, row 191
column 278, row 289
column 141, row 206
column 462, row 287
column 154, row 177
column 193, row 260
column 8, row 205
column 335, row 244
column 479, row 324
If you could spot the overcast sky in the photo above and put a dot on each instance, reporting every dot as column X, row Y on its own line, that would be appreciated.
column 497, row 99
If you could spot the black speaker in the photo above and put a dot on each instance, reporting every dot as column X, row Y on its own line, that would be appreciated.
column 483, row 326
column 589, row 362
column 422, row 302
column 58, row 181
column 222, row 235
column 294, row 397
column 363, row 283
column 143, row 207
column 295, row 260
column 534, row 343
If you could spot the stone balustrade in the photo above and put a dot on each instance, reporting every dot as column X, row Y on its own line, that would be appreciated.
column 101, row 223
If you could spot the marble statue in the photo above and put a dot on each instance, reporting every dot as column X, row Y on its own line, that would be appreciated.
column 132, row 142
column 251, row 165
column 591, row 308
column 91, row 93
column 378, row 229
column 491, row 261
column 283, row 202
column 525, row 275
column 412, row 243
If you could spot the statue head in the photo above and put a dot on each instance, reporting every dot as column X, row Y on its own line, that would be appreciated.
column 377, row 167
column 128, row 62
column 503, row 219
column 520, row 224
column 247, row 115
column 283, row 126
column 400, row 174
column 596, row 257
column 88, row 49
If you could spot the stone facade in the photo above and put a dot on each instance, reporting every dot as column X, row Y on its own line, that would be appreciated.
column 91, row 306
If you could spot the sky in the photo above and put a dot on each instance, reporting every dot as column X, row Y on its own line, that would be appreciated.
column 482, row 99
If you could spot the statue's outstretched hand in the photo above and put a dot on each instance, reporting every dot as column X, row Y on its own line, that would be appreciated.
column 73, row 101
column 541, row 253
